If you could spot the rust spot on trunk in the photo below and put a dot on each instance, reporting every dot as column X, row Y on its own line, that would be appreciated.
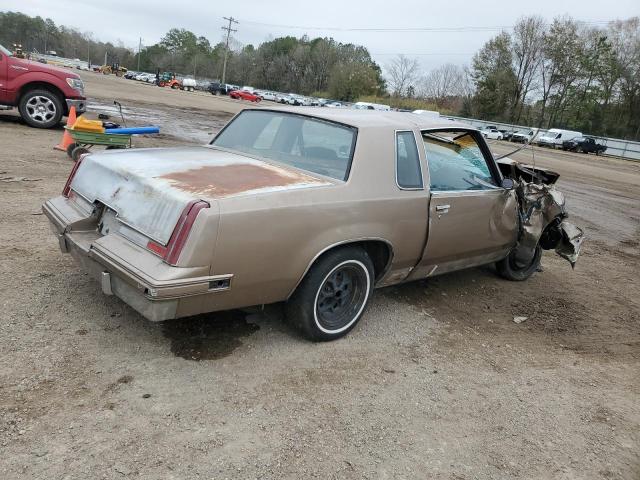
column 225, row 180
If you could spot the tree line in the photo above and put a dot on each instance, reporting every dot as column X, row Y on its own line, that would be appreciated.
column 563, row 74
column 42, row 35
column 286, row 64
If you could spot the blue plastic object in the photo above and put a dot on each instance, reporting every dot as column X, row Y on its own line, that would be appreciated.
column 132, row 130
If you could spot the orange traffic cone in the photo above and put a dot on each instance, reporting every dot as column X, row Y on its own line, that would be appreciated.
column 66, row 137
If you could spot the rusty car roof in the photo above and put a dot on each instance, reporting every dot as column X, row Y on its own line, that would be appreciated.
column 372, row 118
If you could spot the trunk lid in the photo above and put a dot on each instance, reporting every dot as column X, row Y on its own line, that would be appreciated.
column 148, row 189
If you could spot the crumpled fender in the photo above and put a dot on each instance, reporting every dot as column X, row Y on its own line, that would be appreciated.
column 542, row 216
column 571, row 242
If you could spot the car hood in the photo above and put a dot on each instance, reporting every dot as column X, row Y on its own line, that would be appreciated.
column 34, row 66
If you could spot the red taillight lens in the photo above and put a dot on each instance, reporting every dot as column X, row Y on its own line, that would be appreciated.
column 74, row 170
column 171, row 252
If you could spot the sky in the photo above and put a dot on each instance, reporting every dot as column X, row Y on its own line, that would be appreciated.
column 444, row 32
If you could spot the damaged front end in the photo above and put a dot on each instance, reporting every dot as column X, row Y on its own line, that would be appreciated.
column 542, row 215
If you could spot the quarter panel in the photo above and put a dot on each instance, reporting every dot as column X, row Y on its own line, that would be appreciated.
column 269, row 244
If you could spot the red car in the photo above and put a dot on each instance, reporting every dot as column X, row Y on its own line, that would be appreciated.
column 242, row 95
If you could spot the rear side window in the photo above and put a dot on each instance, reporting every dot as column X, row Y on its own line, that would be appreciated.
column 408, row 172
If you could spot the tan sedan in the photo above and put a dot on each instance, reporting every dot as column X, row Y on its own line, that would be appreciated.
column 314, row 207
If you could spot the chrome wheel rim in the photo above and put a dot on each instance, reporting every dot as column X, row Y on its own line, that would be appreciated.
column 41, row 109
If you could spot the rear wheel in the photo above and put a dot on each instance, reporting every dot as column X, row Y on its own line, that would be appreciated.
column 333, row 295
column 41, row 108
column 511, row 269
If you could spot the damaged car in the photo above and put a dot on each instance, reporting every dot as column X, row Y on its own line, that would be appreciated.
column 314, row 208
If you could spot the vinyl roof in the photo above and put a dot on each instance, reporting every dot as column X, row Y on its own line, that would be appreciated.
column 373, row 118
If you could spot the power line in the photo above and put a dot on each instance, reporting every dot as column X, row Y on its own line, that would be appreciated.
column 422, row 54
column 460, row 29
column 226, row 49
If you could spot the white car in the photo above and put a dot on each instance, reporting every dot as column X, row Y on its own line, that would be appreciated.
column 492, row 133
column 334, row 105
column 268, row 96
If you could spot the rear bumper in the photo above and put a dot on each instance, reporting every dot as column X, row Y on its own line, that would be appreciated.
column 162, row 294
column 81, row 105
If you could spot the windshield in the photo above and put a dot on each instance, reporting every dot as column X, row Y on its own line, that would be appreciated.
column 5, row 51
column 307, row 143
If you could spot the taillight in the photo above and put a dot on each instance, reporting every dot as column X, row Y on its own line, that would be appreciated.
column 171, row 252
column 74, row 170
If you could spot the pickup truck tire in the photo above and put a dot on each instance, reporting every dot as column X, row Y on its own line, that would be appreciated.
column 508, row 269
column 40, row 108
column 333, row 295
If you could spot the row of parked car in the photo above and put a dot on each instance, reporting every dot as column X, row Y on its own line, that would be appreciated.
column 254, row 95
column 568, row 140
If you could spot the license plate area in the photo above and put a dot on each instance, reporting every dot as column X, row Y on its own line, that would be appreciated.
column 108, row 222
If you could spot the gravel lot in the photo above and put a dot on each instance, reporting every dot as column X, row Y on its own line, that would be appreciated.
column 436, row 382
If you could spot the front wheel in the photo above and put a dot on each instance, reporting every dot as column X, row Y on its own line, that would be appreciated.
column 41, row 108
column 510, row 269
column 333, row 295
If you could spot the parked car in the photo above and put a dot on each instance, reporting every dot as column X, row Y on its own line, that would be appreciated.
column 371, row 106
column 554, row 137
column 307, row 206
column 523, row 136
column 242, row 95
column 492, row 134
column 334, row 104
column 584, row 145
column 43, row 94
column 268, row 96
column 217, row 88
column 507, row 134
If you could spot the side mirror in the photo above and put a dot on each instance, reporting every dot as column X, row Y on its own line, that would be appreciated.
column 507, row 184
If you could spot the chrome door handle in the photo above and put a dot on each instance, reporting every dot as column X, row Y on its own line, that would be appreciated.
column 442, row 208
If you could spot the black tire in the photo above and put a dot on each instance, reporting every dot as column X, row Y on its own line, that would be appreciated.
column 41, row 108
column 70, row 149
column 333, row 295
column 508, row 268
column 75, row 154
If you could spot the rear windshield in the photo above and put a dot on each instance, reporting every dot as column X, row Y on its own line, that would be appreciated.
column 311, row 144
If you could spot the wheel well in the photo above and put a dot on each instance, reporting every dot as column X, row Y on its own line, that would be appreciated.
column 379, row 251
column 44, row 86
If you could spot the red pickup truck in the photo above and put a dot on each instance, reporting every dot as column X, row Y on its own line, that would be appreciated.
column 42, row 93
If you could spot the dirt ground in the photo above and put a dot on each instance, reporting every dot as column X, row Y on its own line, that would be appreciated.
column 436, row 382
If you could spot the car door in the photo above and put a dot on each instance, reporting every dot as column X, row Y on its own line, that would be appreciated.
column 472, row 218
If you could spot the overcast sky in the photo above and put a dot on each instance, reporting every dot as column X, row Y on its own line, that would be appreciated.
column 470, row 23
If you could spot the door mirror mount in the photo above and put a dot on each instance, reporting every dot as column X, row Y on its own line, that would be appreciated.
column 507, row 184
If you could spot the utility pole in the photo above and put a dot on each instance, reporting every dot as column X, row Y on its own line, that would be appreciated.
column 139, row 49
column 105, row 57
column 226, row 49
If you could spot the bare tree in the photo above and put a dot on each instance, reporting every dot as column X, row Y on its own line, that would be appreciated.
column 403, row 72
column 527, row 43
column 443, row 83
